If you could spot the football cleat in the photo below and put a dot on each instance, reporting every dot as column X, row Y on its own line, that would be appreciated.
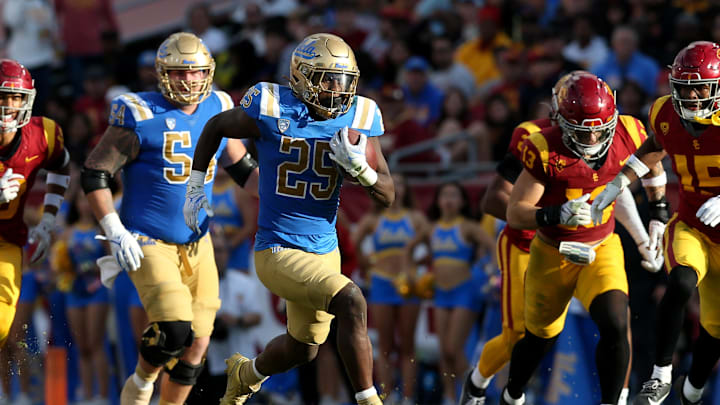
column 237, row 392
column 679, row 389
column 653, row 392
column 471, row 395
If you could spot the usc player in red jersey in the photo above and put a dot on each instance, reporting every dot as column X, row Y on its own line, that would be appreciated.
column 513, row 253
column 685, row 126
column 27, row 144
column 564, row 167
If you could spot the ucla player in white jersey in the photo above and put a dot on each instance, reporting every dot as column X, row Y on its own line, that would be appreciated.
column 152, row 136
column 299, row 132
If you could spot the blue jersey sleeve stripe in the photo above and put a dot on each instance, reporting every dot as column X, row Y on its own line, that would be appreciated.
column 225, row 100
column 269, row 105
column 364, row 113
column 137, row 106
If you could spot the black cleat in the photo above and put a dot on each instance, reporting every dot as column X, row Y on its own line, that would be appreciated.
column 471, row 395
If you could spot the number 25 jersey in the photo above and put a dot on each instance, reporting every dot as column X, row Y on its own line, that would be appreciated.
column 154, row 183
column 299, row 183
column 695, row 160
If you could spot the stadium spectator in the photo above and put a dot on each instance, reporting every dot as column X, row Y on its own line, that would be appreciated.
column 587, row 48
column 447, row 72
column 82, row 24
column 33, row 41
column 478, row 54
column 420, row 94
column 626, row 62
column 199, row 21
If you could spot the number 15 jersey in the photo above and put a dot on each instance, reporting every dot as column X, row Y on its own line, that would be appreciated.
column 695, row 160
column 299, row 183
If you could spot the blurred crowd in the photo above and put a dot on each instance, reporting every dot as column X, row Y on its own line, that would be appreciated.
column 456, row 76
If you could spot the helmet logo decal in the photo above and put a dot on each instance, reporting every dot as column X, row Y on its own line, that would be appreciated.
column 306, row 50
column 664, row 127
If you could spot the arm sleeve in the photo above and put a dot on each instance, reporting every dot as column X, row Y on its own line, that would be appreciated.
column 510, row 168
column 627, row 213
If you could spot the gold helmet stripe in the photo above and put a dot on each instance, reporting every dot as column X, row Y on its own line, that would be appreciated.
column 137, row 106
column 225, row 100
column 269, row 105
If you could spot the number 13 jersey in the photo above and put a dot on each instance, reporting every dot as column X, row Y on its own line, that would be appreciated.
column 695, row 160
column 299, row 183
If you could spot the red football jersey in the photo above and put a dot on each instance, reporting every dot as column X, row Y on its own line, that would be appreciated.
column 567, row 177
column 522, row 237
column 695, row 160
column 41, row 144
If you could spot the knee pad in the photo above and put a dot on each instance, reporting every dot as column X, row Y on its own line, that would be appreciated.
column 164, row 341
column 182, row 372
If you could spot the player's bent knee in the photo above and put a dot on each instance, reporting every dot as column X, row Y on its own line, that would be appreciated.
column 683, row 279
column 348, row 302
column 164, row 341
column 183, row 373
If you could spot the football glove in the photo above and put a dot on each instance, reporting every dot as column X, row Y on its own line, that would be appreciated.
column 607, row 196
column 709, row 212
column 652, row 258
column 123, row 244
column 9, row 185
column 195, row 200
column 352, row 157
column 576, row 212
column 39, row 237
column 577, row 252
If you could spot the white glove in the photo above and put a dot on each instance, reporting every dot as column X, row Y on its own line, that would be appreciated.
column 652, row 259
column 109, row 270
column 577, row 252
column 40, row 237
column 123, row 244
column 607, row 196
column 709, row 212
column 9, row 185
column 352, row 157
column 576, row 212
column 195, row 200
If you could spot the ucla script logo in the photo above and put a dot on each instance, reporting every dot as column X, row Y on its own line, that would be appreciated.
column 306, row 50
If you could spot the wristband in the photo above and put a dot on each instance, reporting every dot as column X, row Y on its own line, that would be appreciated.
column 660, row 210
column 637, row 166
column 197, row 178
column 54, row 200
column 58, row 179
column 657, row 181
column 548, row 216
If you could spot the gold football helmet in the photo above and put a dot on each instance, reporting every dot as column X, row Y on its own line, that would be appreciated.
column 324, row 74
column 184, row 51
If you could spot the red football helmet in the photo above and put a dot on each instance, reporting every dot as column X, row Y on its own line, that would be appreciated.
column 15, row 78
column 584, row 108
column 696, row 64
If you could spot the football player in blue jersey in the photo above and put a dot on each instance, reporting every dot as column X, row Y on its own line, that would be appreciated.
column 299, row 132
column 152, row 136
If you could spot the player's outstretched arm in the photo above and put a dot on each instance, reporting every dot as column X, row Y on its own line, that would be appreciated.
column 233, row 123
column 117, row 147
column 638, row 165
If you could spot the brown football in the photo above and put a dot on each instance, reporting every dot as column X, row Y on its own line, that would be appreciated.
column 370, row 156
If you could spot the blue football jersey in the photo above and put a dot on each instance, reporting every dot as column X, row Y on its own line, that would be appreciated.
column 154, row 183
column 299, row 183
